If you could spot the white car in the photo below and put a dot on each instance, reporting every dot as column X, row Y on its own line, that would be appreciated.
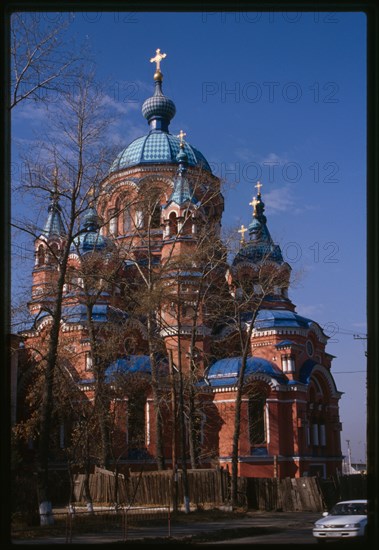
column 347, row 519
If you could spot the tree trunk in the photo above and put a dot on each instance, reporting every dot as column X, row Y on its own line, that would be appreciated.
column 156, row 400
column 183, row 437
column 42, row 457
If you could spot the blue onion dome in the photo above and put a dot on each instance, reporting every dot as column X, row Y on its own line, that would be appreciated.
column 90, row 239
column 54, row 226
column 182, row 191
column 182, row 157
column 225, row 372
column 260, row 246
column 91, row 220
column 158, row 146
column 158, row 109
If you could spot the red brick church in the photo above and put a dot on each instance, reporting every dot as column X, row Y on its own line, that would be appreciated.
column 158, row 201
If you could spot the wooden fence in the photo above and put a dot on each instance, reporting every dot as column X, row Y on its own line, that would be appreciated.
column 209, row 488
column 104, row 487
column 312, row 494
column 287, row 495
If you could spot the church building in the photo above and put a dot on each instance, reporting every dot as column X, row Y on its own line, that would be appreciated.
column 162, row 313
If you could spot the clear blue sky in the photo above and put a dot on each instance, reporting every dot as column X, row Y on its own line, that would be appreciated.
column 276, row 97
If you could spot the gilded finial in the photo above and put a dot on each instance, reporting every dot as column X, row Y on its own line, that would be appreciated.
column 254, row 203
column 157, row 60
column 258, row 186
column 242, row 231
column 54, row 193
column 181, row 136
column 91, row 196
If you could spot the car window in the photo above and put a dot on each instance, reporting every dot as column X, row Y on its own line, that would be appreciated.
column 349, row 509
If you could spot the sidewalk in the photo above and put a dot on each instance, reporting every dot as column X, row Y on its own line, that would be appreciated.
column 190, row 531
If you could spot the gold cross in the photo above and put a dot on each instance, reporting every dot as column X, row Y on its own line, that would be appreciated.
column 242, row 231
column 55, row 183
column 157, row 59
column 181, row 136
column 258, row 186
column 254, row 203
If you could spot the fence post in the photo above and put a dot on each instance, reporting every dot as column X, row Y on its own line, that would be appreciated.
column 69, row 516
column 125, row 525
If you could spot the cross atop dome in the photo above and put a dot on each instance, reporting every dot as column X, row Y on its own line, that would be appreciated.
column 54, row 224
column 181, row 136
column 157, row 60
column 258, row 204
column 242, row 231
column 54, row 193
column 158, row 109
column 258, row 186
column 254, row 203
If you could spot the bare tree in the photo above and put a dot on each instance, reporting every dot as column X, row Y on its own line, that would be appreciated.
column 42, row 63
column 174, row 290
column 251, row 282
column 73, row 155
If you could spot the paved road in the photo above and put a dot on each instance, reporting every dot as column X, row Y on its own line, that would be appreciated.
column 277, row 527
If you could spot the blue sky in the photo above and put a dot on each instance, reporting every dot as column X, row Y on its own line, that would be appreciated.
column 279, row 97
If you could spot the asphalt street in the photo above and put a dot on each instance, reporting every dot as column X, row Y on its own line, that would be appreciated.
column 260, row 527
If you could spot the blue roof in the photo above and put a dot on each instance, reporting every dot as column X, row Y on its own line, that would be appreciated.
column 306, row 371
column 182, row 191
column 131, row 364
column 157, row 147
column 272, row 318
column 54, row 224
column 256, row 252
column 101, row 313
column 90, row 238
column 128, row 365
column 260, row 245
column 225, row 371
column 284, row 343
column 159, row 107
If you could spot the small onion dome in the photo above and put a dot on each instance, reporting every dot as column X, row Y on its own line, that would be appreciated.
column 54, row 225
column 91, row 219
column 158, row 109
column 182, row 157
column 90, row 238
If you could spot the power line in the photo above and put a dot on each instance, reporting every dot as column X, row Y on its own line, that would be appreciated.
column 347, row 371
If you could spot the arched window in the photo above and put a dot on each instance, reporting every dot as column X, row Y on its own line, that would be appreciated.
column 118, row 212
column 317, row 435
column 113, row 222
column 40, row 255
column 53, row 253
column 136, row 421
column 72, row 280
column 88, row 361
column 139, row 219
column 257, row 420
column 127, row 222
column 156, row 216
column 173, row 221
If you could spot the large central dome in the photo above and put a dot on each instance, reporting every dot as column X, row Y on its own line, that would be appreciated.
column 158, row 146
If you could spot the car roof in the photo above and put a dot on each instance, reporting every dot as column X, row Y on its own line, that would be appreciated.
column 364, row 501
